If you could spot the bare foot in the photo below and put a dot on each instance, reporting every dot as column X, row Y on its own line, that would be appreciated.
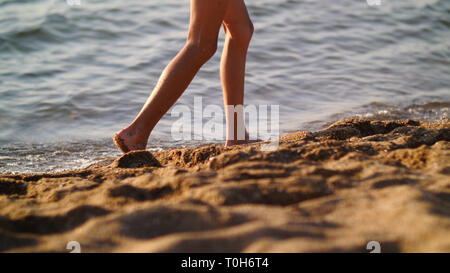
column 126, row 140
column 229, row 143
column 247, row 140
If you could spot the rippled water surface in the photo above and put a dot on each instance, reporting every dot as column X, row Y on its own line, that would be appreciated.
column 70, row 76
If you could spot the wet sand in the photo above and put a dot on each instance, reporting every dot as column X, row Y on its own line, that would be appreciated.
column 328, row 191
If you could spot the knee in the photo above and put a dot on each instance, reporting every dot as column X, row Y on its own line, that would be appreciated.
column 242, row 34
column 203, row 51
column 251, row 29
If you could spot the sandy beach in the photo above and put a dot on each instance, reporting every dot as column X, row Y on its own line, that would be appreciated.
column 333, row 190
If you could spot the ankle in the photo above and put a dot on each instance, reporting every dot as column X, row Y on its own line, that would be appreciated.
column 133, row 134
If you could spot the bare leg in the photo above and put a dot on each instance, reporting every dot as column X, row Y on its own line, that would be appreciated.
column 239, row 29
column 205, row 21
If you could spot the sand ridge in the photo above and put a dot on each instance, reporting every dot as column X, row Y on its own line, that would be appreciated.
column 334, row 190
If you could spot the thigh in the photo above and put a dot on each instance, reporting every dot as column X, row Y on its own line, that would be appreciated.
column 205, row 20
column 236, row 16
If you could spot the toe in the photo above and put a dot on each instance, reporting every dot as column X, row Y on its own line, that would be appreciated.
column 120, row 144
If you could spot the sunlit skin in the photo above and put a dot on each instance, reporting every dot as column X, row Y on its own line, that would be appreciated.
column 206, row 19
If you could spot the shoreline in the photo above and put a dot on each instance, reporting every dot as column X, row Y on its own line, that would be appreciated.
column 334, row 190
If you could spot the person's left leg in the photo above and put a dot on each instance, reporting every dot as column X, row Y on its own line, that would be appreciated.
column 239, row 30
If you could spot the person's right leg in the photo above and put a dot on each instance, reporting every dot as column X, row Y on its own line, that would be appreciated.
column 239, row 29
column 205, row 21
